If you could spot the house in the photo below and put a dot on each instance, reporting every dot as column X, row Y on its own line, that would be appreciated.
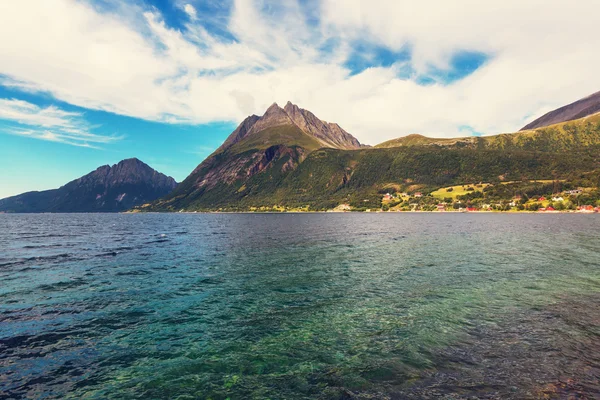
column 542, row 198
column 441, row 207
column 550, row 208
column 573, row 192
column 387, row 197
column 558, row 198
column 418, row 194
column 585, row 209
column 471, row 209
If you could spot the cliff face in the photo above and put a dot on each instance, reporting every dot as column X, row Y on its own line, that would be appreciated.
column 107, row 189
column 330, row 134
column 579, row 109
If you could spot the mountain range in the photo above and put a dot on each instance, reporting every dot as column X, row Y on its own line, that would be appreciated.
column 107, row 189
column 290, row 159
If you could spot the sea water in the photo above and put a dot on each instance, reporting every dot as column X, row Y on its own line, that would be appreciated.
column 299, row 306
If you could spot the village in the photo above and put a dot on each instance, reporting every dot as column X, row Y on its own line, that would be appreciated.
column 482, row 198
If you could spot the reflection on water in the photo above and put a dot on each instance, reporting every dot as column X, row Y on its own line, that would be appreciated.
column 300, row 306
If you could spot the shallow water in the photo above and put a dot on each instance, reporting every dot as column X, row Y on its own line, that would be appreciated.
column 299, row 306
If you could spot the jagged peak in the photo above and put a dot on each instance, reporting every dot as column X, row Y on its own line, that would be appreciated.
column 132, row 160
column 290, row 106
column 328, row 134
column 273, row 108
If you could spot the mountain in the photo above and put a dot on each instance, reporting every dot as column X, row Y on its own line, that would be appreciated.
column 296, row 125
column 107, row 189
column 579, row 109
column 419, row 140
column 560, row 137
column 256, row 155
column 271, row 163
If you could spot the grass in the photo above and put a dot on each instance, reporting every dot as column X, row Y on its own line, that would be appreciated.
column 285, row 134
column 535, row 181
column 558, row 137
column 419, row 140
column 459, row 190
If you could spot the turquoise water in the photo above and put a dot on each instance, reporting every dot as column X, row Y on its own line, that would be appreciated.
column 299, row 306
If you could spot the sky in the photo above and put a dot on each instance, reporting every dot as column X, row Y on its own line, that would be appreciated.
column 88, row 83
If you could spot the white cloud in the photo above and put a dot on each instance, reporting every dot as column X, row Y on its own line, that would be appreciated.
column 49, row 123
column 191, row 11
column 543, row 55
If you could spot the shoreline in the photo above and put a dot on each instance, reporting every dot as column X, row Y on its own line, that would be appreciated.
column 355, row 212
column 311, row 212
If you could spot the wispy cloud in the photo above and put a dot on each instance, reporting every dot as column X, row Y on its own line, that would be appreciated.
column 191, row 11
column 50, row 124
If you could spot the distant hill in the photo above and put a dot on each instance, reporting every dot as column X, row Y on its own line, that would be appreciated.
column 564, row 136
column 420, row 140
column 579, row 109
column 107, row 189
column 269, row 161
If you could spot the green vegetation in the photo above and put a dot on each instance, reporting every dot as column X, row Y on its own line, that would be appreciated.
column 419, row 140
column 460, row 190
column 289, row 134
column 565, row 136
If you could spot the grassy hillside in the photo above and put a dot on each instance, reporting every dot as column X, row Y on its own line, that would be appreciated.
column 289, row 135
column 559, row 137
column 330, row 177
column 420, row 140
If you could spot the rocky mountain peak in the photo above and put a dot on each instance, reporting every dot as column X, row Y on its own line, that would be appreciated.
column 119, row 187
column 274, row 116
column 273, row 108
column 328, row 134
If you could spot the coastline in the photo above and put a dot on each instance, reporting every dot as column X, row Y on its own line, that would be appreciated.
column 357, row 212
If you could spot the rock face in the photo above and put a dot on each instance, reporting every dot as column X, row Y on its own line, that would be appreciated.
column 329, row 135
column 107, row 189
column 579, row 109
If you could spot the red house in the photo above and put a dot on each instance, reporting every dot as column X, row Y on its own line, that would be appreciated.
column 586, row 208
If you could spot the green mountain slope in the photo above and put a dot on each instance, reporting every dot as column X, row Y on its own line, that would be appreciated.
column 285, row 167
column 558, row 137
column 255, row 159
column 420, row 140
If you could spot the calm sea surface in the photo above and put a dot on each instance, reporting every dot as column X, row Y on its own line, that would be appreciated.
column 299, row 306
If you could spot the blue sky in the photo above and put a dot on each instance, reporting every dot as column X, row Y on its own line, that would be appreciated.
column 88, row 83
